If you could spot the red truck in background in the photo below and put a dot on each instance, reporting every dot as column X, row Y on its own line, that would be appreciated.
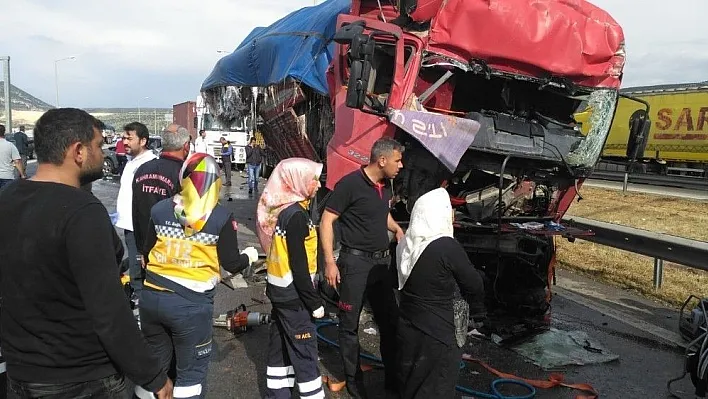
column 482, row 94
column 185, row 114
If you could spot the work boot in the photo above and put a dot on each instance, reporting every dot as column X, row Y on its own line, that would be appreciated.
column 356, row 389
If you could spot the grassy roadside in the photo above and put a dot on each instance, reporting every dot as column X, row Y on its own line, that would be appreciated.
column 675, row 216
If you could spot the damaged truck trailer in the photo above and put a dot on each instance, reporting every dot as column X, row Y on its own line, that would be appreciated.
column 482, row 94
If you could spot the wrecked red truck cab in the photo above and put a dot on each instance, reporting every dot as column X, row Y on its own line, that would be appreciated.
column 483, row 96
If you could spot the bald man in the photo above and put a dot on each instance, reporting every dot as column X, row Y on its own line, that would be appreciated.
column 156, row 180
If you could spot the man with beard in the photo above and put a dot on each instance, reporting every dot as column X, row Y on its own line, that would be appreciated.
column 158, row 179
column 361, row 202
column 67, row 329
column 135, row 139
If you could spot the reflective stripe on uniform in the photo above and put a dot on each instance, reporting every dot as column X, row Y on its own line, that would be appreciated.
column 280, row 371
column 194, row 285
column 187, row 392
column 283, row 282
column 311, row 388
column 288, row 382
column 142, row 393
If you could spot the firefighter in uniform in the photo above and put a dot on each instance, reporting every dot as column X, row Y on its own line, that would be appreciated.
column 285, row 228
column 189, row 237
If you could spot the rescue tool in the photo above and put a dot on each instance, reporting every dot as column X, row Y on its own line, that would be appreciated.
column 240, row 319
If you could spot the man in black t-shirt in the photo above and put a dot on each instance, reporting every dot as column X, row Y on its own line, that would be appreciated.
column 67, row 327
column 361, row 202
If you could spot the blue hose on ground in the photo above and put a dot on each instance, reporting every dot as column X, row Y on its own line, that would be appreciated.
column 495, row 384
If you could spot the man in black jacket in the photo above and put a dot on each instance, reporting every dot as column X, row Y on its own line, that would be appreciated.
column 67, row 329
column 158, row 179
column 254, row 158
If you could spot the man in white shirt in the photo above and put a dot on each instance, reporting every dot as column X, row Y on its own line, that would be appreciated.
column 200, row 144
column 9, row 160
column 135, row 139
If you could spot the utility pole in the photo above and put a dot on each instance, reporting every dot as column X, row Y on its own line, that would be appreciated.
column 8, row 106
column 154, row 110
column 56, row 77
column 140, row 99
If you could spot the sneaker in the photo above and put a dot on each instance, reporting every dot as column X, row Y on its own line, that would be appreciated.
column 250, row 191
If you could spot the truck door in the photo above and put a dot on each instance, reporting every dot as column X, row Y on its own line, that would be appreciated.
column 367, row 78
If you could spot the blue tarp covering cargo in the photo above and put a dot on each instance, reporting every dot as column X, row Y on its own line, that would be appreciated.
column 297, row 46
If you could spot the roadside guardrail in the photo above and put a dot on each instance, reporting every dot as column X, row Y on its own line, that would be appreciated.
column 661, row 247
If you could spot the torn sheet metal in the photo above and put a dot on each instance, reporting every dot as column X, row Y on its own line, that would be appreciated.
column 556, row 348
column 446, row 137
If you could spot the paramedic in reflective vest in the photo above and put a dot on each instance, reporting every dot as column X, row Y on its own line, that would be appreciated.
column 284, row 226
column 189, row 236
column 361, row 202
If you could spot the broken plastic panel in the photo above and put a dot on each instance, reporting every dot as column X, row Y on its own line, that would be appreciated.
column 602, row 103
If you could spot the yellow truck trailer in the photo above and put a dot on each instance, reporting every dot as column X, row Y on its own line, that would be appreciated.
column 678, row 138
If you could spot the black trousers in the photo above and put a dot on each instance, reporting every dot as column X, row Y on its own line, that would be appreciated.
column 363, row 277
column 226, row 165
column 111, row 387
column 292, row 356
column 427, row 368
column 180, row 330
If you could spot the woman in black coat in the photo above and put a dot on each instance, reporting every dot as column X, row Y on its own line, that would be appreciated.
column 432, row 265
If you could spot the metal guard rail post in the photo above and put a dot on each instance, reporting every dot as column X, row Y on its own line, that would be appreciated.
column 661, row 247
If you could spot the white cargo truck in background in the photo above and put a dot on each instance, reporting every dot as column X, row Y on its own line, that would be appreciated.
column 237, row 134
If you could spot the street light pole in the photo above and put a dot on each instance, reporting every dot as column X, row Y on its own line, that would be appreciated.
column 8, row 97
column 144, row 98
column 56, row 76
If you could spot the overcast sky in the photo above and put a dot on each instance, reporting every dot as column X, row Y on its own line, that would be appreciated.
column 163, row 49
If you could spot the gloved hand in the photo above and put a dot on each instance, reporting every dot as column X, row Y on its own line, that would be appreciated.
column 318, row 313
column 252, row 254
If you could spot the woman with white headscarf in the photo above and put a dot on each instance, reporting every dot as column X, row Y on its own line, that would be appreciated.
column 431, row 265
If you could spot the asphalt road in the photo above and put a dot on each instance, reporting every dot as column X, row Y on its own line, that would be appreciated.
column 643, row 334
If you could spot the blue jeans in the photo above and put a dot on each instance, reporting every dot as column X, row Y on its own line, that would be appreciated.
column 253, row 172
column 111, row 387
column 176, row 327
column 4, row 182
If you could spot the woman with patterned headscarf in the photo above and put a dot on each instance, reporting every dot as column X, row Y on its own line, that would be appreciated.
column 189, row 238
column 289, row 238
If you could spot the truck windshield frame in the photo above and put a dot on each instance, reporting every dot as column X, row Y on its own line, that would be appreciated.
column 603, row 103
column 209, row 122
